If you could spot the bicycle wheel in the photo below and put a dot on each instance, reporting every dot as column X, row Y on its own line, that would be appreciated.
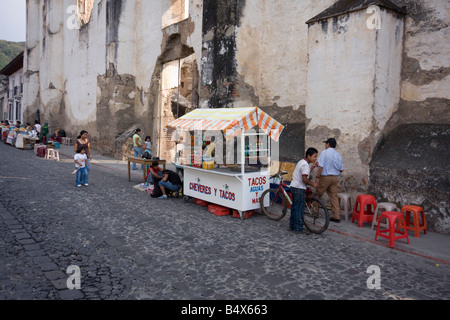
column 273, row 204
column 316, row 216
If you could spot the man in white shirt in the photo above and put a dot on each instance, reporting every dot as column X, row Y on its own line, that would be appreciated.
column 298, row 187
column 330, row 167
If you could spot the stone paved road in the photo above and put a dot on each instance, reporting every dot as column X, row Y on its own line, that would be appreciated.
column 130, row 246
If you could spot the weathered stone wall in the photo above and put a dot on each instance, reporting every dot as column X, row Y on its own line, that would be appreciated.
column 411, row 167
column 102, row 76
column 425, row 77
column 410, row 164
column 180, row 44
column 31, row 62
column 219, row 78
column 272, row 51
column 60, row 67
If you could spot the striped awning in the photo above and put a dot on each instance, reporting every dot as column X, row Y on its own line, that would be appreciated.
column 231, row 121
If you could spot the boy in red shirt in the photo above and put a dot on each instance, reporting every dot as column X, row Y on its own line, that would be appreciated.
column 154, row 172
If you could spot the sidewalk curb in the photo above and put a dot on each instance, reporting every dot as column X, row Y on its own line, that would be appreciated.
column 387, row 246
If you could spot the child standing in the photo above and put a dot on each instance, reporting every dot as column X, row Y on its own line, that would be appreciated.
column 148, row 147
column 81, row 161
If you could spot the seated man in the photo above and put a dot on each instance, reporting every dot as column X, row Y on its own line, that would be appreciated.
column 154, row 172
column 170, row 181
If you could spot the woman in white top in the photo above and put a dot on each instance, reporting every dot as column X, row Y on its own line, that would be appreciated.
column 37, row 127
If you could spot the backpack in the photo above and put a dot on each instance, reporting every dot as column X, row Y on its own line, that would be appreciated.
column 156, row 191
column 147, row 155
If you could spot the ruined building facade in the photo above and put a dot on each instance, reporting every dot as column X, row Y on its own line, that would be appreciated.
column 374, row 74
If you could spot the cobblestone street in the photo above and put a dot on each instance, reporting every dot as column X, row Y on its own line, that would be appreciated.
column 131, row 246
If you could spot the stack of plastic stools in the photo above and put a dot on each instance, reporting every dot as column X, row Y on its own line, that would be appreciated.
column 387, row 206
column 390, row 232
column 347, row 203
column 364, row 209
column 416, row 225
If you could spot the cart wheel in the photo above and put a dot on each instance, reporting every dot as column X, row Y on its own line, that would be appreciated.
column 186, row 198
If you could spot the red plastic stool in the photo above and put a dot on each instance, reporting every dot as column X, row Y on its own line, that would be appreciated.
column 389, row 233
column 416, row 225
column 218, row 210
column 360, row 212
column 201, row 202
column 246, row 214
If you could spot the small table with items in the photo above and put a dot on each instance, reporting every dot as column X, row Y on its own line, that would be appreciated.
column 27, row 140
column 146, row 163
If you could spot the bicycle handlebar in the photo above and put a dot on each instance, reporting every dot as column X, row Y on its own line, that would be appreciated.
column 279, row 174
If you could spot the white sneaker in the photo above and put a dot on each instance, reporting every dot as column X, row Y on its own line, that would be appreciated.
column 86, row 185
column 78, row 185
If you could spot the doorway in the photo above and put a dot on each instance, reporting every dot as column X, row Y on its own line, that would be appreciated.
column 178, row 96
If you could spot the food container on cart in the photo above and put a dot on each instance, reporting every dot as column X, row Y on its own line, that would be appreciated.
column 238, row 172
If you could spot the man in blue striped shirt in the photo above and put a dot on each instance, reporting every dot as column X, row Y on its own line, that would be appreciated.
column 330, row 167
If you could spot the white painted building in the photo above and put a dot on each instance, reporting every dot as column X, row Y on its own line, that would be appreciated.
column 12, row 94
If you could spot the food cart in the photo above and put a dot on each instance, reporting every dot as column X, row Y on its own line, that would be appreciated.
column 243, row 135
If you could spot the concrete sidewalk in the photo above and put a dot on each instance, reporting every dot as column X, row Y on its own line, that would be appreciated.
column 433, row 246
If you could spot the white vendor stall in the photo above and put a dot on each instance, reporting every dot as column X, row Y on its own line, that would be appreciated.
column 226, row 155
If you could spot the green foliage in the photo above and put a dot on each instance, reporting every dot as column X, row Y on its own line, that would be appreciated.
column 9, row 50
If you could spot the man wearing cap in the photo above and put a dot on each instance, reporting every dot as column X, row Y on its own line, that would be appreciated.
column 330, row 167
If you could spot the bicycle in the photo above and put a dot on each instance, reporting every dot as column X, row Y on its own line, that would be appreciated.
column 274, row 204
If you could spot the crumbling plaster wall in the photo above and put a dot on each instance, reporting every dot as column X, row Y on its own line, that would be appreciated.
column 271, row 65
column 31, row 62
column 341, row 77
column 43, row 77
column 425, row 82
column 272, row 59
column 81, row 56
column 61, row 66
column 102, row 77
column 121, row 102
column 51, row 69
column 179, row 40
column 271, row 47
column 410, row 163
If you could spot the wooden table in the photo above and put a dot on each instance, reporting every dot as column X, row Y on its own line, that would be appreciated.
column 146, row 163
column 29, row 141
